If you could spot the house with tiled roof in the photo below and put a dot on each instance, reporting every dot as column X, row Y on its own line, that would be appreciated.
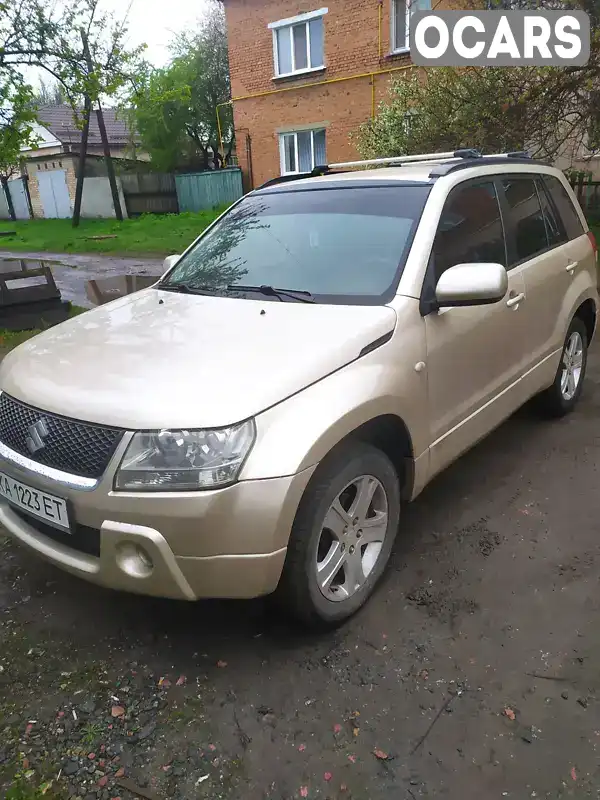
column 51, row 165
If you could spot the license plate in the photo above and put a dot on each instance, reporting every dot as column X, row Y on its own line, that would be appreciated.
column 51, row 509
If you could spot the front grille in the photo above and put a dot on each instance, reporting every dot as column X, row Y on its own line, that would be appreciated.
column 84, row 539
column 80, row 448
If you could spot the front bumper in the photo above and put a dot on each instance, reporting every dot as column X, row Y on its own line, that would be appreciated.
column 225, row 543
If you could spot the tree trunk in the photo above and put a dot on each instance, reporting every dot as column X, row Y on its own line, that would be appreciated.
column 205, row 165
column 9, row 202
column 82, row 156
column 105, row 146
column 217, row 157
column 109, row 165
column 229, row 151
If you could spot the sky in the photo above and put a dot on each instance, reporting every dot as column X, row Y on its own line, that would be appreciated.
column 151, row 22
column 155, row 22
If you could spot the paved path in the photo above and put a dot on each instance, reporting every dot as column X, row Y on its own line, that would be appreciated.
column 71, row 272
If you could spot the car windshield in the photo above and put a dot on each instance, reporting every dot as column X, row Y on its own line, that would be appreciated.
column 338, row 245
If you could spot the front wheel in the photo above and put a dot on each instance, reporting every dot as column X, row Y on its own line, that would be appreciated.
column 342, row 536
column 562, row 396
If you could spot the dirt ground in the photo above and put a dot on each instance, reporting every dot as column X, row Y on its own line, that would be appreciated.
column 472, row 673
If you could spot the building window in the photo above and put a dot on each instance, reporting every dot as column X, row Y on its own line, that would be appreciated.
column 401, row 11
column 298, row 43
column 301, row 151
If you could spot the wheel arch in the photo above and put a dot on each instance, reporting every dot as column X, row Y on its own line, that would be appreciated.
column 587, row 313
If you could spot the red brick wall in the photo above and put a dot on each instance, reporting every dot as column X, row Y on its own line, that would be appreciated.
column 351, row 47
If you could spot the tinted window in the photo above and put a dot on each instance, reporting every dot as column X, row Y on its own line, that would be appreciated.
column 525, row 217
column 554, row 227
column 565, row 207
column 470, row 229
column 340, row 244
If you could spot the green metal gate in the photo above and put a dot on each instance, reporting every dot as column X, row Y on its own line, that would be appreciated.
column 211, row 189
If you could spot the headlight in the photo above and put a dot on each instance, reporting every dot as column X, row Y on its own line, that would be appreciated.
column 164, row 461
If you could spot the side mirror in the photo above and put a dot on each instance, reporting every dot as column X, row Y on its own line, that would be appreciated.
column 472, row 285
column 170, row 262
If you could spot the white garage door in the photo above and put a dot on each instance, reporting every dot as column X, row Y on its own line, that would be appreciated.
column 19, row 199
column 54, row 194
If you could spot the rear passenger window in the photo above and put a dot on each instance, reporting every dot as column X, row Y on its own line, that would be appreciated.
column 554, row 227
column 525, row 217
column 564, row 204
column 470, row 229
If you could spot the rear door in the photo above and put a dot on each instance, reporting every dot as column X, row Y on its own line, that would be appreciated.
column 474, row 354
column 580, row 253
column 536, row 244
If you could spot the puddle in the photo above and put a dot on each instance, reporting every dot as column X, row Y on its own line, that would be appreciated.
column 82, row 284
column 107, row 289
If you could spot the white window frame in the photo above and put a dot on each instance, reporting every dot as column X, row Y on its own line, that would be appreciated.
column 295, row 133
column 288, row 23
column 394, row 15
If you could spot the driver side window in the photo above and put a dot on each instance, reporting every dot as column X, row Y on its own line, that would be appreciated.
column 470, row 229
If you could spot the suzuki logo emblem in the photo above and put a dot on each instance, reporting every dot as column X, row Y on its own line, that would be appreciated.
column 37, row 433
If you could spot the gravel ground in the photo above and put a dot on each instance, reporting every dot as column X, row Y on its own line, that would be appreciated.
column 473, row 672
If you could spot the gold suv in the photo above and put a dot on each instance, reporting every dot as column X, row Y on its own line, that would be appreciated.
column 254, row 422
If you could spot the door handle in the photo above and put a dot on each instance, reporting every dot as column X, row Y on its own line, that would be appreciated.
column 572, row 267
column 514, row 301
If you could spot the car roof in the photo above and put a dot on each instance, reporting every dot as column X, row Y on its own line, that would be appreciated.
column 406, row 175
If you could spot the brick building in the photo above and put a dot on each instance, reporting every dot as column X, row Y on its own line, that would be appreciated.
column 304, row 77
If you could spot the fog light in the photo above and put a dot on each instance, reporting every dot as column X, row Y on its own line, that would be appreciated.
column 134, row 560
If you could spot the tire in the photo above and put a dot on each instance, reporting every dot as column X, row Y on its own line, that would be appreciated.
column 561, row 398
column 315, row 550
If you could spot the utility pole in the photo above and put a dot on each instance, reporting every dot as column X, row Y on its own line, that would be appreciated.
column 82, row 156
column 105, row 146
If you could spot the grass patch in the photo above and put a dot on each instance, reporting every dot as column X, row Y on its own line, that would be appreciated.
column 91, row 733
column 151, row 234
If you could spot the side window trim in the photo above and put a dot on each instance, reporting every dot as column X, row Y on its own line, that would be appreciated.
column 427, row 302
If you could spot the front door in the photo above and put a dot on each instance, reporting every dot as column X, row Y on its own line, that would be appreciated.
column 474, row 354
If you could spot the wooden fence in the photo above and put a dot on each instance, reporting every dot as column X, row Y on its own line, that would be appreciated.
column 588, row 194
column 149, row 193
column 161, row 193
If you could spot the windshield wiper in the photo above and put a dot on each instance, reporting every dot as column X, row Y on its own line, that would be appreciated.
column 185, row 288
column 270, row 291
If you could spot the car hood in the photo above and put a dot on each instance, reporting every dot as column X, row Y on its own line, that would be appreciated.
column 157, row 359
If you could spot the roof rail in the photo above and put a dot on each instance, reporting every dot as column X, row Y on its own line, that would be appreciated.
column 298, row 176
column 445, row 161
column 444, row 168
column 380, row 162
